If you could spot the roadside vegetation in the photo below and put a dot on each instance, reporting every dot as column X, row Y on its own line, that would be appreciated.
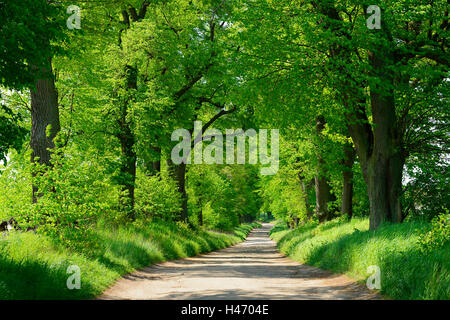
column 34, row 266
column 93, row 170
column 410, row 268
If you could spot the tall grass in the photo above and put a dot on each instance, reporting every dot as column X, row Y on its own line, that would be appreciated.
column 349, row 247
column 34, row 266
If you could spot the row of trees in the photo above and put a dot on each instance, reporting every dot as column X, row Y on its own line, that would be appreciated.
column 109, row 95
column 356, row 107
column 347, row 90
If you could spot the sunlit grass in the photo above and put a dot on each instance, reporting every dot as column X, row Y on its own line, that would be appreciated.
column 33, row 266
column 349, row 247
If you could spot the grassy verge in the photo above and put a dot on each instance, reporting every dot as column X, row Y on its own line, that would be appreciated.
column 34, row 266
column 349, row 247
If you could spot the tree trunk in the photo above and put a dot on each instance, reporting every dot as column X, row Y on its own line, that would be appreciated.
column 322, row 198
column 347, row 175
column 125, row 133
column 128, row 156
column 384, row 187
column 305, row 192
column 128, row 171
column 378, row 149
column 381, row 161
column 322, row 187
column 200, row 217
column 385, row 165
column 178, row 172
column 44, row 119
column 200, row 201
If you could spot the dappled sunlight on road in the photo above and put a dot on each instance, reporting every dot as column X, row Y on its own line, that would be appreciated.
column 253, row 269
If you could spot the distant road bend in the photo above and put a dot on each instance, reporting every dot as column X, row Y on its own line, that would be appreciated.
column 253, row 269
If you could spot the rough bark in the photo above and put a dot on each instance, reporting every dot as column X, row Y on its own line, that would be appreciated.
column 322, row 187
column 305, row 192
column 45, row 123
column 200, row 201
column 378, row 148
column 385, row 165
column 178, row 172
column 128, row 154
column 347, row 177
column 125, row 133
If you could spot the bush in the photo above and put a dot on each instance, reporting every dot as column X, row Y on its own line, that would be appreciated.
column 439, row 234
column 73, row 194
column 157, row 197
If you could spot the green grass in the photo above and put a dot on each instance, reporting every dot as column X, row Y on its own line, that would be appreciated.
column 33, row 266
column 349, row 247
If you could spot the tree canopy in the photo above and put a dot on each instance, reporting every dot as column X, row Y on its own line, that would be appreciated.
column 362, row 112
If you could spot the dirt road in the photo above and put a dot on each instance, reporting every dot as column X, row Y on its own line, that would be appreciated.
column 250, row 270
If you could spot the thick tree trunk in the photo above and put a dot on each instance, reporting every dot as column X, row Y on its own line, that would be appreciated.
column 305, row 192
column 347, row 176
column 128, row 171
column 378, row 149
column 178, row 172
column 125, row 133
column 322, row 198
column 322, row 187
column 381, row 161
column 384, row 188
column 385, row 165
column 44, row 119
column 128, row 156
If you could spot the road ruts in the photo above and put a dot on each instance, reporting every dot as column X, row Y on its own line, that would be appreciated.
column 253, row 269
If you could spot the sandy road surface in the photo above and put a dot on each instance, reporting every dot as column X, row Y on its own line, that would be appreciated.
column 253, row 269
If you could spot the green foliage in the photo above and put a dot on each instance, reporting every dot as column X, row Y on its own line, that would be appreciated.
column 35, row 267
column 28, row 30
column 157, row 197
column 315, row 58
column 12, row 133
column 264, row 217
column 439, row 234
column 427, row 187
column 280, row 65
column 223, row 194
column 349, row 247
column 74, row 193
column 15, row 183
column 282, row 194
